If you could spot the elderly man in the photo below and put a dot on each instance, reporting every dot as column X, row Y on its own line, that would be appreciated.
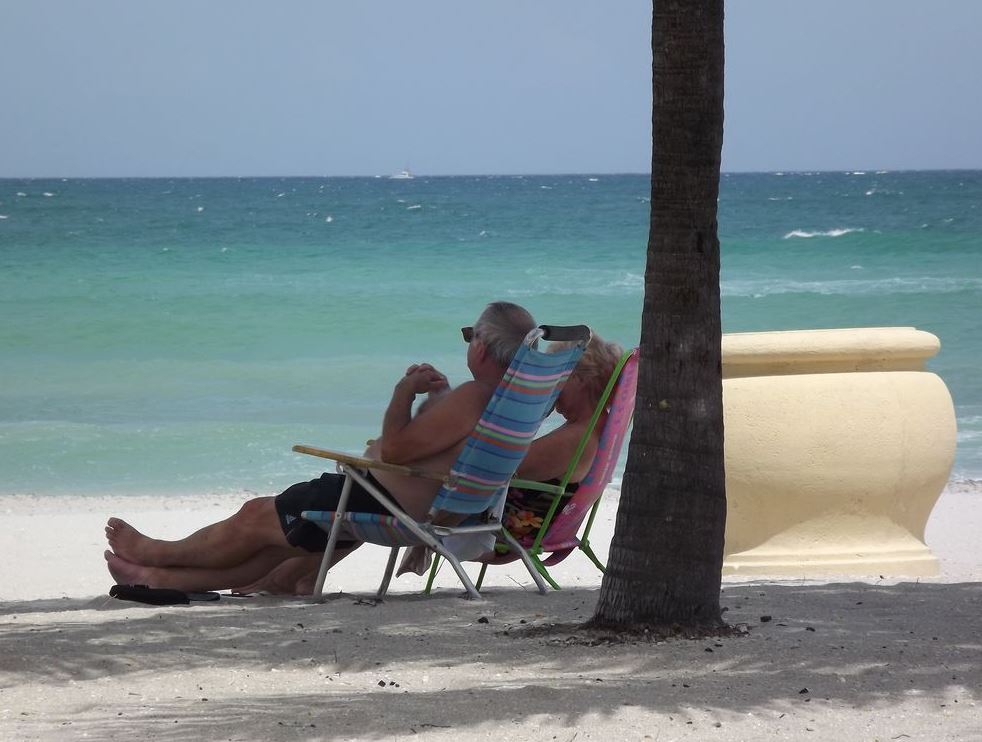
column 266, row 531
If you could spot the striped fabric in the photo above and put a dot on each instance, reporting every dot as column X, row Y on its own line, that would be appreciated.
column 372, row 528
column 526, row 394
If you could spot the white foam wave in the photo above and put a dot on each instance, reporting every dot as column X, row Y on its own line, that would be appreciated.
column 839, row 232
column 3, row 216
column 759, row 288
column 581, row 283
column 47, row 194
column 328, row 219
column 21, row 194
column 631, row 280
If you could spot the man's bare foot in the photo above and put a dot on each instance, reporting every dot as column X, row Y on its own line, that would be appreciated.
column 305, row 585
column 283, row 579
column 126, row 573
column 131, row 545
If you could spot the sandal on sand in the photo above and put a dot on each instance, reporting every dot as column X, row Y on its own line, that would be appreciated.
column 157, row 595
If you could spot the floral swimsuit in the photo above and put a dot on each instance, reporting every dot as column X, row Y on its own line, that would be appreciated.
column 525, row 510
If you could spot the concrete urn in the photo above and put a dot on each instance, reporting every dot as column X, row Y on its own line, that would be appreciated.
column 838, row 445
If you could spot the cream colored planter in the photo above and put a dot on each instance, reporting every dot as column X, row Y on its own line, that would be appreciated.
column 838, row 445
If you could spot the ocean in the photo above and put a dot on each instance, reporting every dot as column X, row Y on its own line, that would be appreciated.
column 162, row 336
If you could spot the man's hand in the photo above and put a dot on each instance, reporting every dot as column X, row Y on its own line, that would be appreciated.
column 442, row 421
column 422, row 378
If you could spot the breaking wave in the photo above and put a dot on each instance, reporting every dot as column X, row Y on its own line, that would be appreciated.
column 830, row 233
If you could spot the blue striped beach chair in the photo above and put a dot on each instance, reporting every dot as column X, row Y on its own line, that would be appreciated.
column 475, row 488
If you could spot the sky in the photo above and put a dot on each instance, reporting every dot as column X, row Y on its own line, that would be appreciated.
column 443, row 87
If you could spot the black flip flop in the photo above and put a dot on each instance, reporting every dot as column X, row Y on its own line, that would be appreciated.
column 157, row 595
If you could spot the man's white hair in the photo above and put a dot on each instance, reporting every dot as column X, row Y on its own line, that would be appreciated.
column 502, row 327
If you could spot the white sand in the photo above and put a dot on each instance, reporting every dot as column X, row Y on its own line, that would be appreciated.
column 848, row 660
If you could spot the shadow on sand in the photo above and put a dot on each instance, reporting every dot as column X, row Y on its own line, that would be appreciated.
column 440, row 665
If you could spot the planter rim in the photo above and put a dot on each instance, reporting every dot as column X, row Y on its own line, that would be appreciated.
column 845, row 345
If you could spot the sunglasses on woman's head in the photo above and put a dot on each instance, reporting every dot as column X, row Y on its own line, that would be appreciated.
column 468, row 333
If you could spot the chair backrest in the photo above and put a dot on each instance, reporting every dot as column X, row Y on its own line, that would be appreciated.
column 526, row 394
column 561, row 532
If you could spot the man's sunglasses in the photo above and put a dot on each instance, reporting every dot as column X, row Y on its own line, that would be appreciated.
column 468, row 333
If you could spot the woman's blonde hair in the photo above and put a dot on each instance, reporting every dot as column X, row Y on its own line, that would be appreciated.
column 596, row 366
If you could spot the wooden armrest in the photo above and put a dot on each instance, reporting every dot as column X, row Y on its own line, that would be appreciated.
column 364, row 463
column 527, row 484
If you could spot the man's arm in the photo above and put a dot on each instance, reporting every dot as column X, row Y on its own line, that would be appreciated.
column 440, row 425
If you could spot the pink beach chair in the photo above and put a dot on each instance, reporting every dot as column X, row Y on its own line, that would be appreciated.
column 557, row 536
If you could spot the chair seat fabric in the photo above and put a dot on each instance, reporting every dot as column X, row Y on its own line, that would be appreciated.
column 373, row 528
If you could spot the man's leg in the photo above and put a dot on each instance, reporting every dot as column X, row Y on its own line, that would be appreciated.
column 294, row 576
column 198, row 578
column 221, row 545
column 281, row 571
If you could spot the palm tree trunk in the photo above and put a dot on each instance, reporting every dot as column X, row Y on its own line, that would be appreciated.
column 667, row 552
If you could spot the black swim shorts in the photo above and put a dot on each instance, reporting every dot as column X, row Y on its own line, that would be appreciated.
column 323, row 493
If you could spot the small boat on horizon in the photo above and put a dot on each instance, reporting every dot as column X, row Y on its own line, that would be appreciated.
column 402, row 175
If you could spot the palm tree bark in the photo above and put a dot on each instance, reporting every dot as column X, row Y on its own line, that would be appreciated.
column 667, row 551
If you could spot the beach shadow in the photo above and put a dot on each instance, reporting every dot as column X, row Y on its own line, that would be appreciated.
column 447, row 663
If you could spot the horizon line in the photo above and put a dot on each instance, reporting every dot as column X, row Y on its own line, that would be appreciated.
column 375, row 176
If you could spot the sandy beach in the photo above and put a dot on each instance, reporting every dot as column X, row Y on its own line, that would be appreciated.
column 847, row 659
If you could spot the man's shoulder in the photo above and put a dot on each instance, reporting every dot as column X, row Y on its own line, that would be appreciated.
column 467, row 399
column 473, row 392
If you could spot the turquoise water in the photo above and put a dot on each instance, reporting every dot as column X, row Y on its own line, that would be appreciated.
column 180, row 335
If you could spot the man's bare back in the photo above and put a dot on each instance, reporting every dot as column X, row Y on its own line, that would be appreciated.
column 464, row 404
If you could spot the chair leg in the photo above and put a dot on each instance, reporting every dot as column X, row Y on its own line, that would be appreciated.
column 541, row 568
column 433, row 571
column 529, row 565
column 480, row 577
column 332, row 540
column 389, row 569
column 585, row 548
column 459, row 569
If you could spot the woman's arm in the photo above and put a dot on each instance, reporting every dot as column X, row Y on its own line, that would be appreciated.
column 549, row 456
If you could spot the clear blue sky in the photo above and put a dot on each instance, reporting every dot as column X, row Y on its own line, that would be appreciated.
column 312, row 87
